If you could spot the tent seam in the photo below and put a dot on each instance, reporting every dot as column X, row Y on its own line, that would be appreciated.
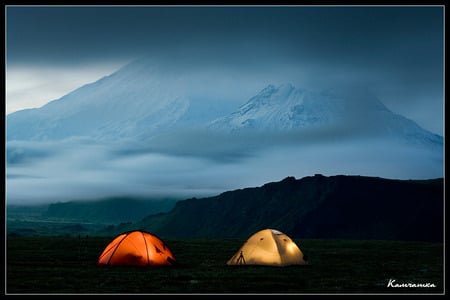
column 115, row 249
column 146, row 248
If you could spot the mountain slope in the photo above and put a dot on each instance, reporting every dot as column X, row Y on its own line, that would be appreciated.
column 137, row 101
column 352, row 207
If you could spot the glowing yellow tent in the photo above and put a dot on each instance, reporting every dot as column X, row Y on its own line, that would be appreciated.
column 268, row 247
column 137, row 248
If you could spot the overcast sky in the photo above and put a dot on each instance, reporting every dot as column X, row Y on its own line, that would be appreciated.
column 395, row 51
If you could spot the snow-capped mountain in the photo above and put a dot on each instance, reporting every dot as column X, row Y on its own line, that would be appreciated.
column 137, row 101
column 144, row 99
column 286, row 108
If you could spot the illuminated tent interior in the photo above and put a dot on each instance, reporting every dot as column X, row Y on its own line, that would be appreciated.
column 137, row 248
column 268, row 247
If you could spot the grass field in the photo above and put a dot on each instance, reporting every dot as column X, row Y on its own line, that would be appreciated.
column 67, row 265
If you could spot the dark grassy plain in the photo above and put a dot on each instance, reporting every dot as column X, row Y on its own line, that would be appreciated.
column 67, row 265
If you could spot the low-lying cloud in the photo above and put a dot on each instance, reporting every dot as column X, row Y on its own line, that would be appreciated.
column 194, row 164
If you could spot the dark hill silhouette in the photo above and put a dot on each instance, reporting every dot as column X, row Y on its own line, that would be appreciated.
column 337, row 207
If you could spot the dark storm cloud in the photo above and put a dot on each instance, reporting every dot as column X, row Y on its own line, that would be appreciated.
column 333, row 34
column 401, row 40
column 61, row 34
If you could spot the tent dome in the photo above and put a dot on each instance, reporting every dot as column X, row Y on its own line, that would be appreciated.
column 137, row 248
column 268, row 247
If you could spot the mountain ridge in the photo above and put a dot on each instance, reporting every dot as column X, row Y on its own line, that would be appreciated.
column 341, row 206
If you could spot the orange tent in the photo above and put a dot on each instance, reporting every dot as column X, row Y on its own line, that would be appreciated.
column 137, row 248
